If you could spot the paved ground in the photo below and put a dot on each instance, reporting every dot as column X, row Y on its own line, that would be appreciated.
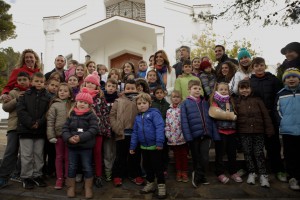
column 176, row 190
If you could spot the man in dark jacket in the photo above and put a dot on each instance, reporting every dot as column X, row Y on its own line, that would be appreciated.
column 222, row 57
column 60, row 62
column 184, row 55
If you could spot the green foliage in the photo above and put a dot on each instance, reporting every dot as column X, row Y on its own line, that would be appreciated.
column 7, row 27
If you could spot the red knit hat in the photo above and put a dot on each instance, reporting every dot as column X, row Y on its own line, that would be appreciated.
column 93, row 78
column 204, row 65
column 84, row 95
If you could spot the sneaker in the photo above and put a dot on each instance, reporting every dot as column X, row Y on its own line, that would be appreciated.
column 185, row 177
column 162, row 191
column 236, row 178
column 281, row 176
column 16, row 178
column 178, row 176
column 117, row 181
column 194, row 182
column 251, row 178
column 79, row 178
column 38, row 181
column 108, row 176
column 28, row 183
column 294, row 185
column 98, row 182
column 264, row 181
column 3, row 182
column 59, row 183
column 223, row 179
column 241, row 172
column 204, row 181
column 149, row 188
column 138, row 180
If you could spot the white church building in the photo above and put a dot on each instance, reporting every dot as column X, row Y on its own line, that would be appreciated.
column 115, row 31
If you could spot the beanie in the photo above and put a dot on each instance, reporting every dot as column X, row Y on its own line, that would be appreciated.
column 204, row 65
column 243, row 53
column 93, row 78
column 290, row 72
column 84, row 95
column 294, row 46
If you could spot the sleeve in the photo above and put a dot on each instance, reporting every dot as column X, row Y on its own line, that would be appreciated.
column 92, row 131
column 277, row 110
column 159, row 129
column 23, row 115
column 134, row 136
column 113, row 118
column 171, row 82
column 233, row 84
column 185, row 123
column 51, row 118
column 205, row 83
column 12, row 104
column 269, row 128
column 168, row 124
column 178, row 85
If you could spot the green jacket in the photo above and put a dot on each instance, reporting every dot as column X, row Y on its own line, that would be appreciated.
column 181, row 84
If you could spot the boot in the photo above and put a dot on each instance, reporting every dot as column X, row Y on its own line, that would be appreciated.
column 220, row 114
column 88, row 187
column 70, row 182
column 162, row 191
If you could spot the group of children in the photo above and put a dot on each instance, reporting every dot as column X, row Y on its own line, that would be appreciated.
column 122, row 123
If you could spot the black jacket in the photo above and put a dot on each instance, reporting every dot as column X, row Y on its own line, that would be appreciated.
column 86, row 126
column 223, row 59
column 32, row 107
column 62, row 79
column 287, row 64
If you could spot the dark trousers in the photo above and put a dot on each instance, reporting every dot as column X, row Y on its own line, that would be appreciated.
column 273, row 148
column 200, row 154
column 10, row 156
column 126, row 164
column 49, row 158
column 291, row 145
column 85, row 158
column 153, row 165
column 227, row 145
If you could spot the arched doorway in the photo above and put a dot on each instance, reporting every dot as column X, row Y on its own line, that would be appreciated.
column 118, row 62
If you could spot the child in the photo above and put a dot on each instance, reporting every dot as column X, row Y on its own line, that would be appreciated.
column 148, row 132
column 31, row 111
column 80, row 72
column 207, row 77
column 198, row 129
column 143, row 68
column 52, row 86
column 115, row 74
column 175, row 138
column 71, row 69
column 122, row 115
column 109, row 145
column 222, row 110
column 79, row 133
column 103, row 71
column 154, row 81
column 142, row 85
column 56, row 118
column 226, row 72
column 181, row 83
column 74, row 84
column 287, row 105
column 92, row 83
column 252, row 123
column 10, row 156
column 266, row 86
column 196, row 67
column 127, row 68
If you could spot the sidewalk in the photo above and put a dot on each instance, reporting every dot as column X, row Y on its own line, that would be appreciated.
column 175, row 190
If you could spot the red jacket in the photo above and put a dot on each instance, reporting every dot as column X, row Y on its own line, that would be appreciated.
column 13, row 77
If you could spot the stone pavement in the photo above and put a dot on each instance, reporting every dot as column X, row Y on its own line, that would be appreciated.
column 175, row 190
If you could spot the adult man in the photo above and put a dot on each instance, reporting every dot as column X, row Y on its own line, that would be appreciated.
column 60, row 62
column 222, row 57
column 184, row 55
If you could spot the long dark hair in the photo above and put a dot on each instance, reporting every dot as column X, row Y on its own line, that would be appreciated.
column 232, row 70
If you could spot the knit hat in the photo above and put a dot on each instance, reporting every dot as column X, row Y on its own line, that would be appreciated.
column 294, row 46
column 243, row 53
column 84, row 95
column 93, row 78
column 204, row 65
column 290, row 72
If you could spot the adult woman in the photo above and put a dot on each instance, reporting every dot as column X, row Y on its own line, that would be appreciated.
column 168, row 75
column 30, row 63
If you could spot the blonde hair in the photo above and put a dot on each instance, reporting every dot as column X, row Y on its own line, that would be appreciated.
column 144, row 96
column 194, row 82
column 37, row 64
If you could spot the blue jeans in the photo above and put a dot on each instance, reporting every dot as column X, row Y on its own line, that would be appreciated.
column 85, row 157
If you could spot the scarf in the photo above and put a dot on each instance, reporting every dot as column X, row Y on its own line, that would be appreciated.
column 81, row 112
column 161, row 69
column 221, row 98
column 21, row 88
column 110, row 98
column 93, row 93
column 131, row 96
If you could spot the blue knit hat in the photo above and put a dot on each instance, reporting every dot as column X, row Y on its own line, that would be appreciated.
column 290, row 72
column 243, row 53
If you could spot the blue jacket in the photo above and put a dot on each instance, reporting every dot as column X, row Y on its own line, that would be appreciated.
column 148, row 129
column 288, row 111
column 195, row 121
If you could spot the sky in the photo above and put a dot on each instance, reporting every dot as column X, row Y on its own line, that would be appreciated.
column 28, row 15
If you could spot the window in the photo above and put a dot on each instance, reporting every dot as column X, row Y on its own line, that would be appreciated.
column 127, row 9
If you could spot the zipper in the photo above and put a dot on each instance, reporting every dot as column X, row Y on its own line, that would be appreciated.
column 144, row 129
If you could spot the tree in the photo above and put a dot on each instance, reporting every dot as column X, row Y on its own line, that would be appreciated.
column 267, row 12
column 205, row 45
column 7, row 27
column 8, row 60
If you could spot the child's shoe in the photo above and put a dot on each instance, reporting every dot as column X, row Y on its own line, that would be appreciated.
column 138, row 180
column 185, row 177
column 251, row 178
column 28, row 183
column 117, row 181
column 59, row 183
column 294, row 185
column 281, row 176
column 223, row 179
column 39, row 182
column 178, row 176
column 236, row 178
column 98, row 182
column 16, row 178
column 149, row 188
column 241, row 172
column 162, row 191
column 108, row 176
column 194, row 181
column 204, row 181
column 264, row 181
